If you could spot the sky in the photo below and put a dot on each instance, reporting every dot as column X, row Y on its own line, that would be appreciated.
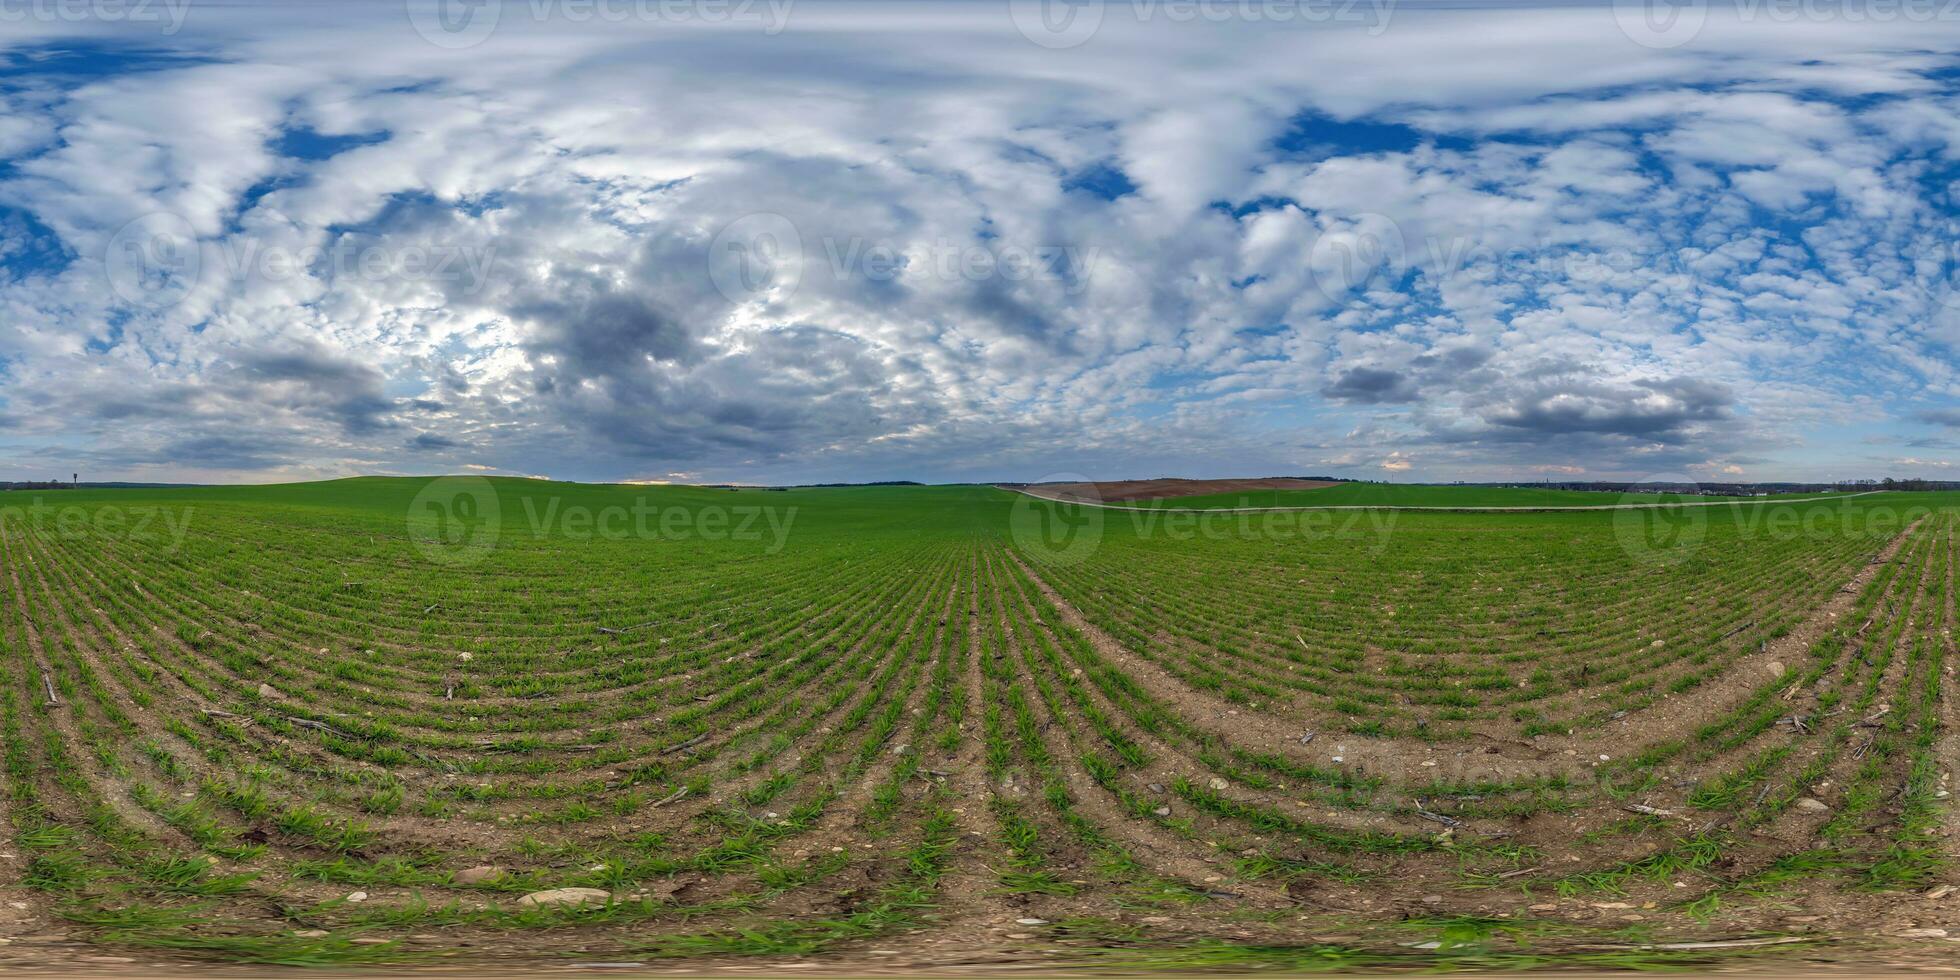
column 780, row 241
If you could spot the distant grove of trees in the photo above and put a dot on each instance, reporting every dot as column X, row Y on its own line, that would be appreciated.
column 1890, row 484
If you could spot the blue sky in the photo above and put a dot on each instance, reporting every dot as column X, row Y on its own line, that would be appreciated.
column 803, row 241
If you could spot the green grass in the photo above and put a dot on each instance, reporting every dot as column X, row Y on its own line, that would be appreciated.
column 1439, row 495
column 692, row 712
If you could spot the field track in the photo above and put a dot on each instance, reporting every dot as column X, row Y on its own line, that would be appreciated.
column 899, row 727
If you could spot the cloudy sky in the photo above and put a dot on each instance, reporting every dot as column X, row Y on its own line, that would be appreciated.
column 799, row 240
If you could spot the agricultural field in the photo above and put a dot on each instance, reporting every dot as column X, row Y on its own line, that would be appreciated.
column 1388, row 495
column 1125, row 491
column 404, row 721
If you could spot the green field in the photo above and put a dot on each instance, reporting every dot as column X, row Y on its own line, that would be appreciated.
column 1424, row 495
column 372, row 720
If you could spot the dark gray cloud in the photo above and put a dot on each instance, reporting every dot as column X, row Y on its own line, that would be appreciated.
column 315, row 381
column 162, row 401
column 218, row 452
column 593, row 331
column 1447, row 368
column 1657, row 409
column 1372, row 386
column 786, row 390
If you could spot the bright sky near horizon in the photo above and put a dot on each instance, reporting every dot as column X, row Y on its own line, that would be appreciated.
column 808, row 240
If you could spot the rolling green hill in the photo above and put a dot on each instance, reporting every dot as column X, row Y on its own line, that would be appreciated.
column 1420, row 495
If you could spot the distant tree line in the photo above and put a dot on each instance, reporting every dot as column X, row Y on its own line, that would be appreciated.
column 1733, row 489
column 1890, row 484
column 70, row 485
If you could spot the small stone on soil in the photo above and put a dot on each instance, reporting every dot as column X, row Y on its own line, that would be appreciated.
column 565, row 896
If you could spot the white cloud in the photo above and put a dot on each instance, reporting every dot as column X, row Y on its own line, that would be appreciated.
column 1594, row 256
